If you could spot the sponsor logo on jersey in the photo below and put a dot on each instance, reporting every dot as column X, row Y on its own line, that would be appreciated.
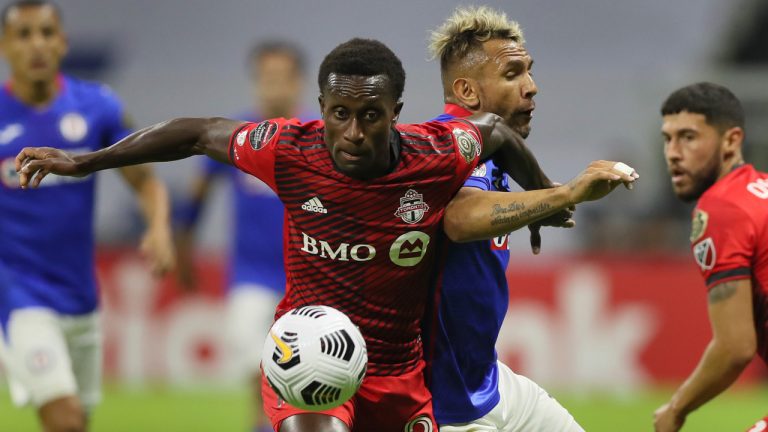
column 73, row 127
column 240, row 138
column 480, row 171
column 409, row 249
column 261, row 134
column 314, row 205
column 10, row 133
column 412, row 207
column 342, row 252
column 421, row 423
column 469, row 147
column 699, row 224
column 705, row 254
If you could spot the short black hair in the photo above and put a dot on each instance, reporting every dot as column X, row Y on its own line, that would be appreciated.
column 719, row 105
column 26, row 3
column 364, row 57
column 269, row 47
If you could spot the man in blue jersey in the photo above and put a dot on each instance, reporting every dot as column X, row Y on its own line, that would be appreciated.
column 50, row 342
column 257, row 275
column 484, row 67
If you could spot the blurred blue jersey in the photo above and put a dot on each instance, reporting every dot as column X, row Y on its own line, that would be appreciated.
column 464, row 321
column 46, row 258
column 257, row 238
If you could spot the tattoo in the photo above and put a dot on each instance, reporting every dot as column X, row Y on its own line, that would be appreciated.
column 516, row 212
column 721, row 292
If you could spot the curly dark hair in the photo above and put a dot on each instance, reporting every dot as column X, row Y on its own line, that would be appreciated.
column 719, row 105
column 365, row 57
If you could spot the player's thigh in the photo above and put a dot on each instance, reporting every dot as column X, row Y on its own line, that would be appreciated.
column 525, row 406
column 284, row 417
column 250, row 313
column 84, row 339
column 37, row 357
column 312, row 423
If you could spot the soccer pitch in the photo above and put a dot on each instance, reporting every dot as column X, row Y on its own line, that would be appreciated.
column 216, row 410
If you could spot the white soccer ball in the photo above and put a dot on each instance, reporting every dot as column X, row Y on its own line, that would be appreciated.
column 314, row 358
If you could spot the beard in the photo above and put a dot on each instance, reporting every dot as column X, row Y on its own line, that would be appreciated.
column 702, row 180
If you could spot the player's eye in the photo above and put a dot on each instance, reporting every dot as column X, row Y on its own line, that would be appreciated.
column 48, row 32
column 24, row 33
column 340, row 114
column 371, row 116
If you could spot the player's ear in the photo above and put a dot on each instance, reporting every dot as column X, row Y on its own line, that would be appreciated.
column 732, row 139
column 321, row 101
column 398, row 108
column 465, row 92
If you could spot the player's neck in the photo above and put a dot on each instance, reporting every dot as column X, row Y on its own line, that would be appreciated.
column 35, row 93
column 735, row 163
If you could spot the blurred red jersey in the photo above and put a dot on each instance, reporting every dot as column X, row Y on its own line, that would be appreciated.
column 366, row 248
column 729, row 238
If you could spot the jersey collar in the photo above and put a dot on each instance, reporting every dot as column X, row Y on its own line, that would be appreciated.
column 456, row 110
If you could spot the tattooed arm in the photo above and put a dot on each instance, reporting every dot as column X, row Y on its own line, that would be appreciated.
column 731, row 349
column 476, row 215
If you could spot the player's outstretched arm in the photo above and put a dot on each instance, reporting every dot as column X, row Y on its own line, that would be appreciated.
column 732, row 347
column 170, row 140
column 478, row 216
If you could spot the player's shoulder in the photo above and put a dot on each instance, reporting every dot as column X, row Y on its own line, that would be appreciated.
column 90, row 91
column 437, row 127
column 744, row 188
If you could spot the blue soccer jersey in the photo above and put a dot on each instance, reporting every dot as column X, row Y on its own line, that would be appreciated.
column 465, row 319
column 47, row 249
column 257, row 238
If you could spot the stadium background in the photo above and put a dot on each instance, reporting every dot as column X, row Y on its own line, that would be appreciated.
column 608, row 317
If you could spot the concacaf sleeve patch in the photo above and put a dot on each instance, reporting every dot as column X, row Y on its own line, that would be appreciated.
column 261, row 134
column 699, row 224
column 469, row 147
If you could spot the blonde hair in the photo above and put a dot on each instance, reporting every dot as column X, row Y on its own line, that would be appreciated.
column 467, row 28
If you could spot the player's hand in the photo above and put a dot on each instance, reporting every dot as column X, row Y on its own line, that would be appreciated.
column 34, row 163
column 157, row 247
column 665, row 419
column 599, row 179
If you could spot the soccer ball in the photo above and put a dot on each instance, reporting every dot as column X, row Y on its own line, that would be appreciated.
column 314, row 358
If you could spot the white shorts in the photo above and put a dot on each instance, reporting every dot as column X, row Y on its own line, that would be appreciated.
column 48, row 356
column 524, row 407
column 250, row 312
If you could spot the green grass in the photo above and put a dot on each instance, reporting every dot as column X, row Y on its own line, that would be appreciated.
column 171, row 410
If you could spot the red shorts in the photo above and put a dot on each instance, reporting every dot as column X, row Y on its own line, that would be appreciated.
column 760, row 426
column 383, row 403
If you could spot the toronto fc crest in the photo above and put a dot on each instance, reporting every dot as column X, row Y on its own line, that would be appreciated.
column 412, row 207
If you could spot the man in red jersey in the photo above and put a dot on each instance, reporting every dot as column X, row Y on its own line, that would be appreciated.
column 364, row 200
column 703, row 132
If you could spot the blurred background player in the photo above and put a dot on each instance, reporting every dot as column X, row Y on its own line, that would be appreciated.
column 383, row 189
column 48, row 303
column 484, row 67
column 703, row 132
column 257, row 277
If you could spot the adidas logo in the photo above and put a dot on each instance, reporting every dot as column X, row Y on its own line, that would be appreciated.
column 314, row 205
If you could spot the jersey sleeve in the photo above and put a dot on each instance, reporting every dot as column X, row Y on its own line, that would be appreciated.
column 723, row 240
column 116, row 123
column 467, row 144
column 253, row 148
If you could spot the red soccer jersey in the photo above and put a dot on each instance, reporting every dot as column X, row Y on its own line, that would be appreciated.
column 729, row 238
column 366, row 248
